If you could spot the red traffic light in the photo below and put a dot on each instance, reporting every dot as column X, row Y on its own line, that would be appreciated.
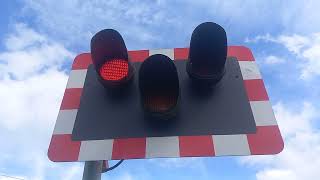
column 114, row 70
column 159, row 86
column 110, row 58
column 208, row 53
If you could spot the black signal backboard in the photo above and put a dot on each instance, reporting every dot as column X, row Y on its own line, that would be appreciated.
column 219, row 111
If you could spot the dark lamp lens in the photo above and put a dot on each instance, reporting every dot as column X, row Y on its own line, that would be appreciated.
column 208, row 53
column 156, row 103
column 114, row 70
column 159, row 86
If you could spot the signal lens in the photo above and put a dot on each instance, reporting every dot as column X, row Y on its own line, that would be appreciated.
column 159, row 87
column 160, row 103
column 207, row 54
column 114, row 70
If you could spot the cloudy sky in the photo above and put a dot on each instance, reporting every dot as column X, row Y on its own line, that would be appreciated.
column 40, row 38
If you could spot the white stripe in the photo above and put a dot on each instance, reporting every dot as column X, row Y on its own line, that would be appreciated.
column 167, row 52
column 65, row 121
column 249, row 70
column 77, row 78
column 263, row 113
column 96, row 150
column 162, row 147
column 231, row 145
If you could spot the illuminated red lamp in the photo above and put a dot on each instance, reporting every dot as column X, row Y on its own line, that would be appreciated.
column 110, row 58
column 114, row 70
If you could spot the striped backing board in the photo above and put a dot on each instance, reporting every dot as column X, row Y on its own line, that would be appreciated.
column 266, row 140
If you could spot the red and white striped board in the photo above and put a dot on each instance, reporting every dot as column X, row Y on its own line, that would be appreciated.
column 266, row 140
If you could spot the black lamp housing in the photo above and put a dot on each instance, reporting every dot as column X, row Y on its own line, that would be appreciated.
column 159, row 87
column 108, row 45
column 207, row 54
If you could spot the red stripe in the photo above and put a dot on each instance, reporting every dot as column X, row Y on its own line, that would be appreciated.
column 267, row 140
column 62, row 148
column 130, row 148
column 181, row 53
column 82, row 61
column 256, row 90
column 241, row 53
column 71, row 98
column 138, row 56
column 196, row 146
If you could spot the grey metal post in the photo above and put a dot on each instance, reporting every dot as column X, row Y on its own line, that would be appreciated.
column 92, row 170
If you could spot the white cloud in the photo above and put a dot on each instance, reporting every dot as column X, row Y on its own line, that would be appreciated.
column 305, row 48
column 31, row 101
column 312, row 59
column 271, row 60
column 31, row 89
column 300, row 16
column 145, row 24
column 294, row 43
column 28, row 53
column 23, row 37
column 30, row 82
column 10, row 177
column 293, row 122
column 124, row 176
column 193, row 164
column 131, row 18
column 169, row 163
column 299, row 159
column 277, row 174
column 75, row 172
column 267, row 38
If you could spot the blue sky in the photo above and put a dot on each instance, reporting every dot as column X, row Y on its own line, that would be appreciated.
column 39, row 39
